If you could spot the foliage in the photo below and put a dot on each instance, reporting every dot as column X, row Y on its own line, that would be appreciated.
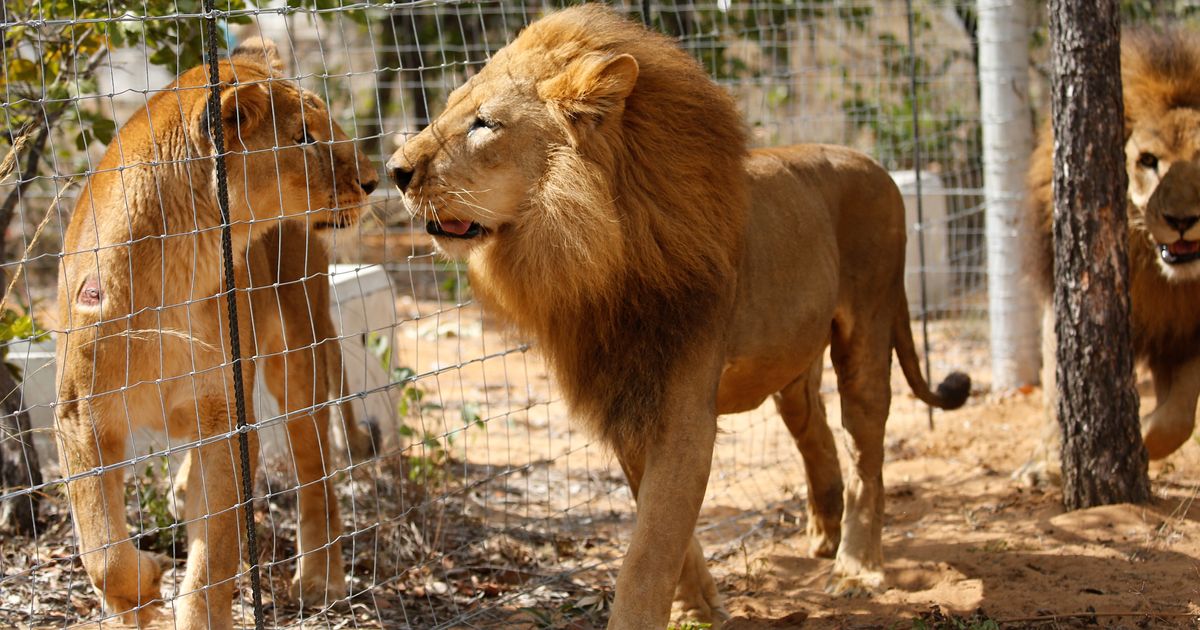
column 432, row 450
column 935, row 619
column 53, row 48
column 15, row 326
column 940, row 131
column 1146, row 10
column 456, row 286
column 157, row 529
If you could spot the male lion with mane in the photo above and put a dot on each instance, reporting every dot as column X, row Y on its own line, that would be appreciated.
column 140, row 293
column 598, row 182
column 1160, row 75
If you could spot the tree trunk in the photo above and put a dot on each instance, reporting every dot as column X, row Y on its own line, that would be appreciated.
column 19, row 467
column 1103, row 458
column 19, row 464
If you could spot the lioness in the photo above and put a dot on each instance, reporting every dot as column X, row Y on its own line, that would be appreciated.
column 146, row 342
column 598, row 182
column 1160, row 74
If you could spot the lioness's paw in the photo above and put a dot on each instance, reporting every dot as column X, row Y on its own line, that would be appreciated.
column 703, row 611
column 861, row 585
column 316, row 591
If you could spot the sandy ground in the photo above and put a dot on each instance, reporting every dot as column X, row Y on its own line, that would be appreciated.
column 961, row 532
column 522, row 520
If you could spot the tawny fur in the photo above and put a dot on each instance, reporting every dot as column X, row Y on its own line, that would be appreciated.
column 1160, row 74
column 145, row 344
column 669, row 275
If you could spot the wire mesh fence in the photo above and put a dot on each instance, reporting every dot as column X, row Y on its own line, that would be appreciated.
column 402, row 435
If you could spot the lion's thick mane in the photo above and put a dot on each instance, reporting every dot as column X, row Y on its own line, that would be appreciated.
column 1160, row 72
column 638, row 227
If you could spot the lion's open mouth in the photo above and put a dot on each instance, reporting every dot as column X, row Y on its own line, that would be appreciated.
column 1179, row 252
column 455, row 229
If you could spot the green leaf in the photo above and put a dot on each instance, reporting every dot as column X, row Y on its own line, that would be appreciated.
column 22, row 70
column 103, row 129
column 471, row 414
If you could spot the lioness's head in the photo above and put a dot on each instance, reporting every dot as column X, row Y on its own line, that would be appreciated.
column 287, row 157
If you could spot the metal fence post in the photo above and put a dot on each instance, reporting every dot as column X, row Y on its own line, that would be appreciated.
column 1007, row 143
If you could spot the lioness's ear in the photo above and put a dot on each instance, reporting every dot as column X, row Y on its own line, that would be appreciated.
column 260, row 50
column 592, row 86
column 243, row 107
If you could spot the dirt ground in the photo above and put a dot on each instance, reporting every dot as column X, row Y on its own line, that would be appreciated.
column 487, row 508
column 962, row 533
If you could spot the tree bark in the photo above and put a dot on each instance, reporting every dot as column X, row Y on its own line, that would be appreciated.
column 1103, row 458
column 19, row 467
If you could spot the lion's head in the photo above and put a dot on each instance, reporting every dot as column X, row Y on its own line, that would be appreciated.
column 590, row 173
column 1161, row 80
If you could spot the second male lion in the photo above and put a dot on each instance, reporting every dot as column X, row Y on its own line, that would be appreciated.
column 599, row 185
column 1160, row 74
column 141, row 296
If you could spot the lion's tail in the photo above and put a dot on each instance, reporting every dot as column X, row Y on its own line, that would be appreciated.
column 951, row 393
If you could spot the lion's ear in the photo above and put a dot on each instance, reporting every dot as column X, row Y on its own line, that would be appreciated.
column 260, row 50
column 592, row 86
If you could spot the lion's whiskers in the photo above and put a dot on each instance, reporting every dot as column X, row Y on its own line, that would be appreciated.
column 491, row 214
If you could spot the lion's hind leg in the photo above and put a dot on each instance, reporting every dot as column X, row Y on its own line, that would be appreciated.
column 862, row 359
column 803, row 411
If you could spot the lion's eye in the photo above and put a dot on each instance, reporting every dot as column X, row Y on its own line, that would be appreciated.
column 306, row 138
column 1148, row 160
column 482, row 123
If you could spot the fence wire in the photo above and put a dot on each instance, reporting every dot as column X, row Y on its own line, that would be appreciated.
column 451, row 487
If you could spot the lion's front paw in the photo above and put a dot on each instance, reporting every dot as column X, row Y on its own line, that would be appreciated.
column 863, row 584
column 1165, row 430
column 1039, row 472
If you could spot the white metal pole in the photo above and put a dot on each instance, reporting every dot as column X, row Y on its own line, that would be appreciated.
column 1007, row 143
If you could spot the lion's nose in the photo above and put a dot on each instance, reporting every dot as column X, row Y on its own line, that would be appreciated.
column 1180, row 224
column 402, row 176
column 401, row 171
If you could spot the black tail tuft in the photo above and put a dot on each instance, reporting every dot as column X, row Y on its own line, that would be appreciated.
column 954, row 390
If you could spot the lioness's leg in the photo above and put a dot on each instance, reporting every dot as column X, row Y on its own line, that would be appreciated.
column 696, row 595
column 126, row 579
column 1171, row 423
column 803, row 411
column 675, row 473
column 862, row 360
column 216, row 522
column 297, row 386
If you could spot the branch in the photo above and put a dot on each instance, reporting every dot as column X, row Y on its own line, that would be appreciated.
column 33, row 162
